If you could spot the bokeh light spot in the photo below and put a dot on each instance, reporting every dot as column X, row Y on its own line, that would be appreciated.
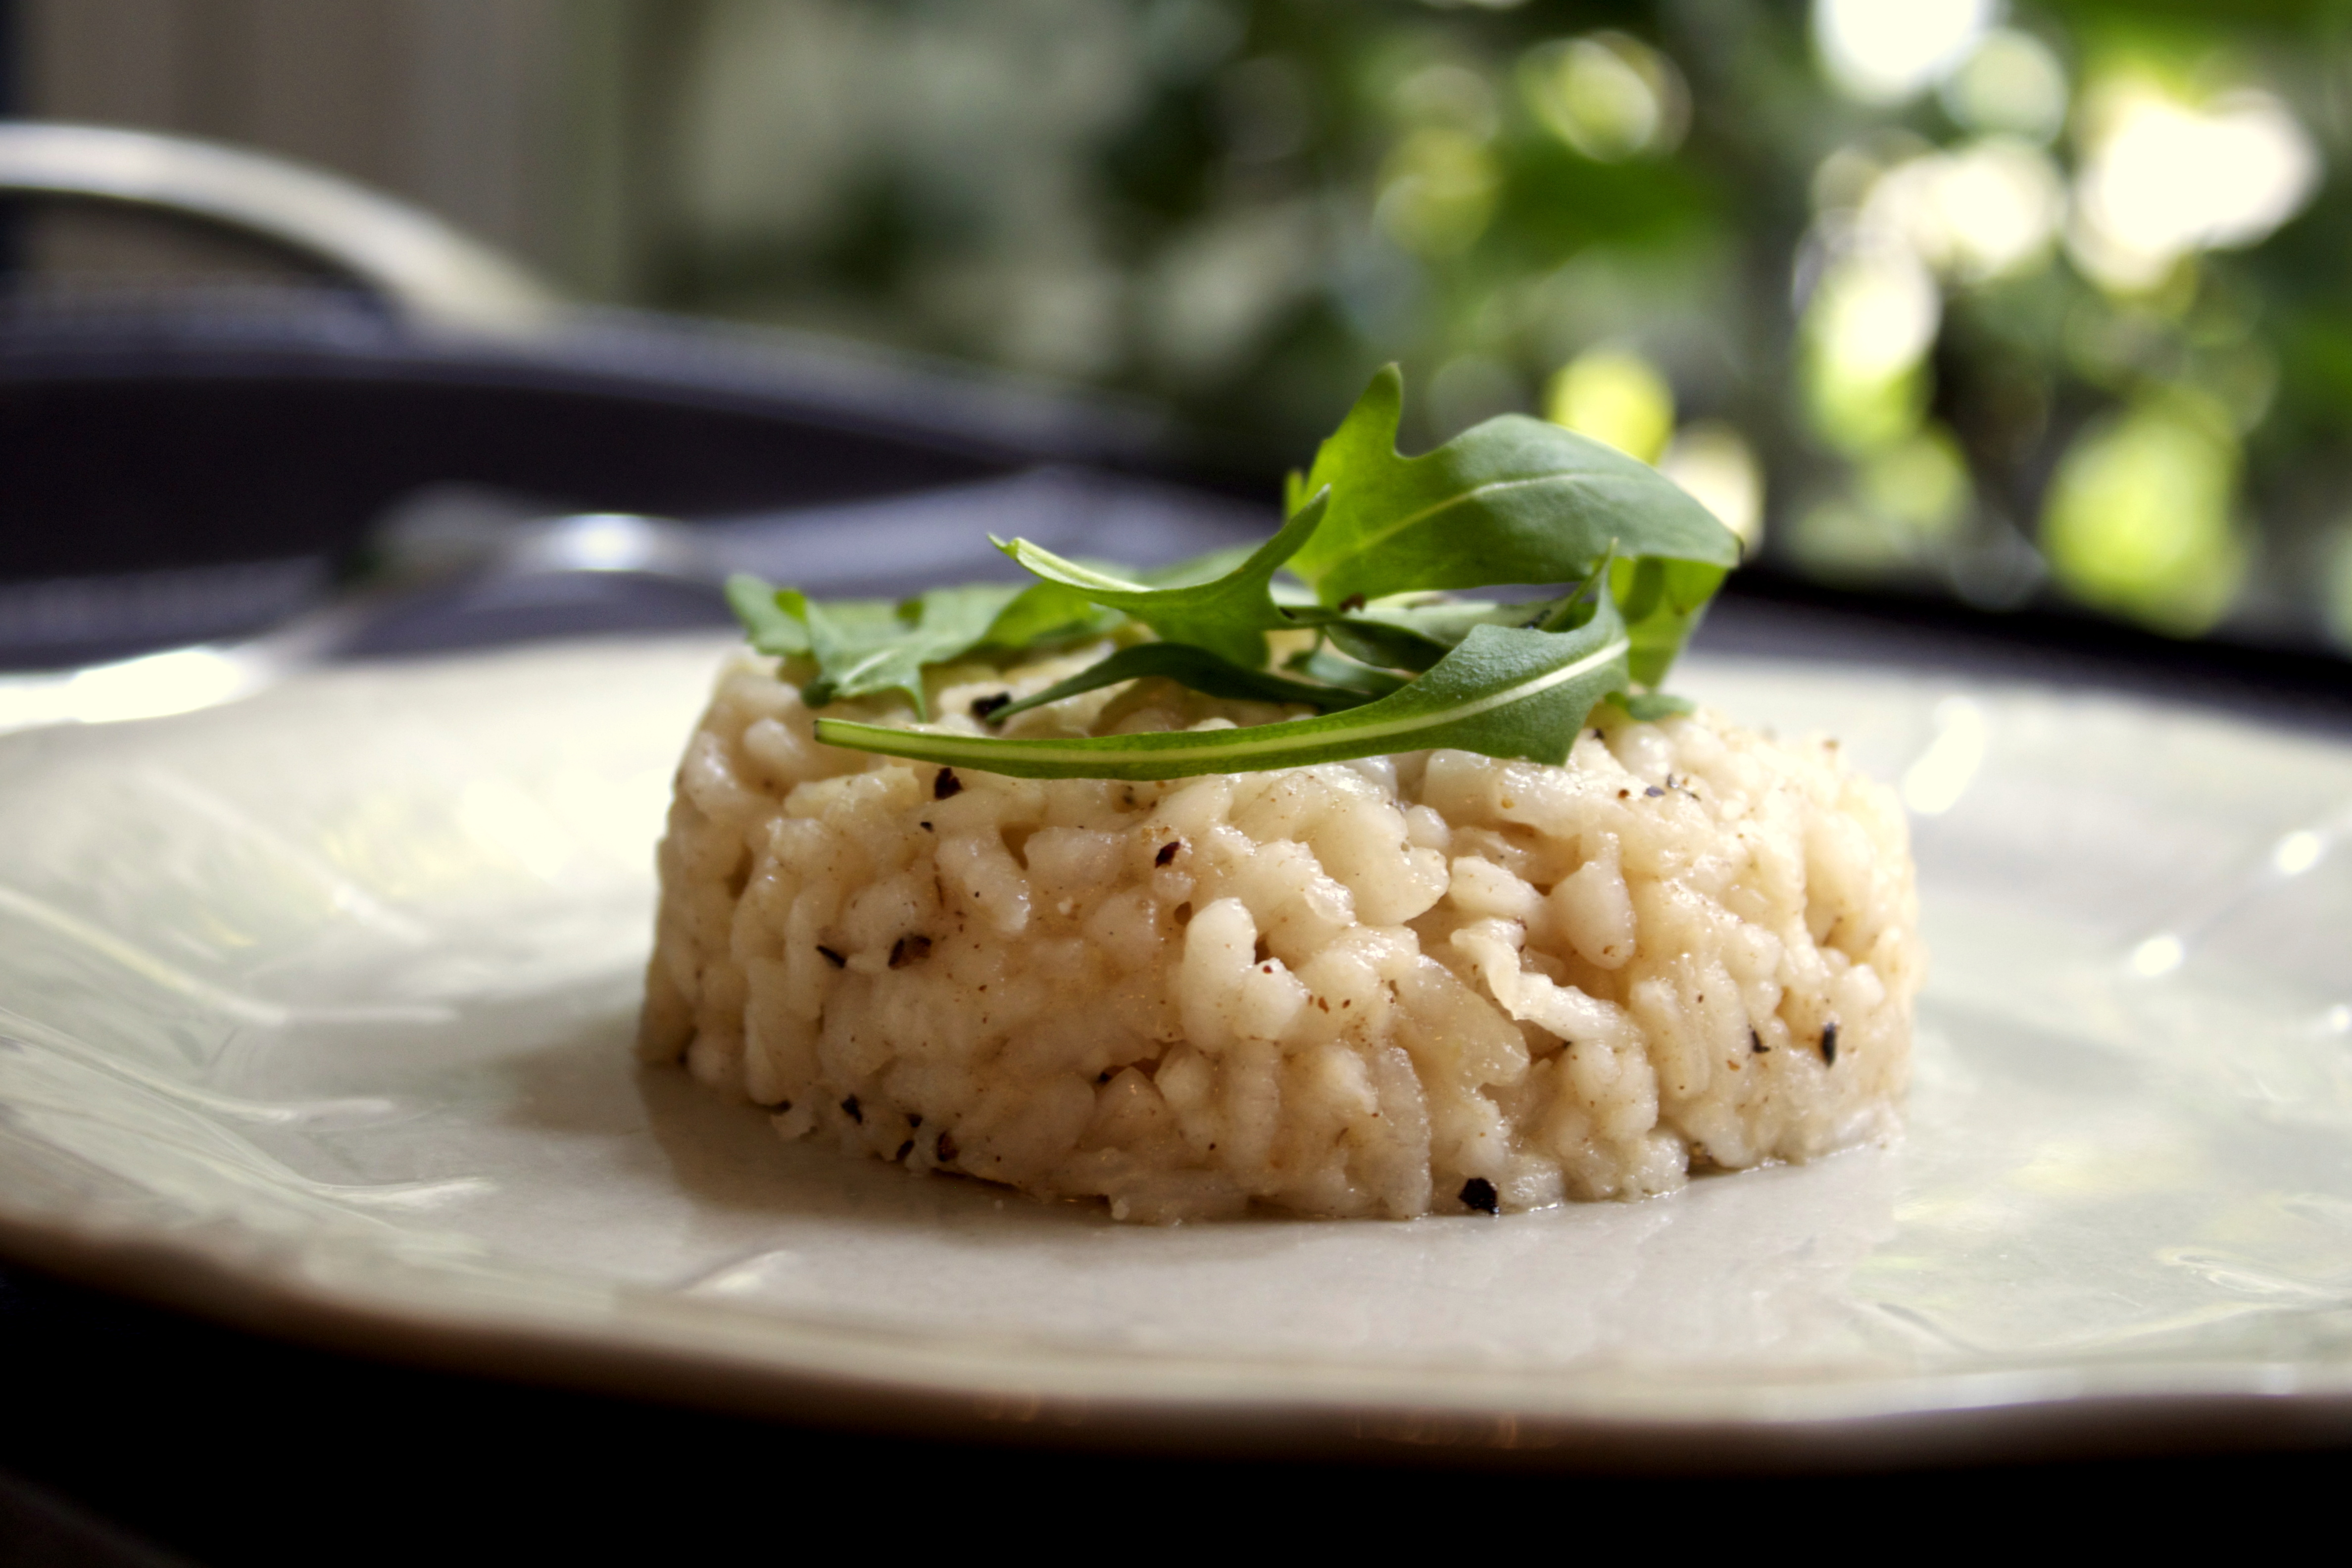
column 1866, row 329
column 1615, row 397
column 2159, row 956
column 1883, row 51
column 1715, row 463
column 2137, row 519
column 1920, row 483
column 1942, row 774
column 2298, row 852
column 1437, row 191
column 2012, row 84
column 1608, row 96
column 1980, row 212
column 2336, row 587
column 2160, row 179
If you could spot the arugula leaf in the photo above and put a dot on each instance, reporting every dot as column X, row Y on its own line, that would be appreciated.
column 1505, row 691
column 867, row 646
column 1196, row 667
column 1514, row 499
column 863, row 648
column 1416, row 635
column 1649, row 707
column 1203, row 568
column 1046, row 613
column 770, row 629
column 1661, row 601
column 1378, row 540
column 1332, row 669
column 1228, row 614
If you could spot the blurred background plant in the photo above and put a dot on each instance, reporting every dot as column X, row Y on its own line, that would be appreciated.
column 2025, row 301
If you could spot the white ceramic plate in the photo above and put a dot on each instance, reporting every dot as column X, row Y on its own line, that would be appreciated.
column 314, row 1014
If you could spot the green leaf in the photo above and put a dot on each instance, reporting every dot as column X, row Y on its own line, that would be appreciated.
column 1416, row 635
column 1195, row 667
column 1515, row 500
column 1350, row 675
column 1229, row 613
column 770, row 629
column 865, row 647
column 1504, row 691
column 860, row 646
column 960, row 619
column 1649, row 707
column 1046, row 613
column 1203, row 568
column 1661, row 601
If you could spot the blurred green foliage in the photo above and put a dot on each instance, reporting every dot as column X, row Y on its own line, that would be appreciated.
column 2012, row 301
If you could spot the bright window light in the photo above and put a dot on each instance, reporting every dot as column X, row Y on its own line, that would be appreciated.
column 1983, row 211
column 2161, row 179
column 2012, row 84
column 1885, row 51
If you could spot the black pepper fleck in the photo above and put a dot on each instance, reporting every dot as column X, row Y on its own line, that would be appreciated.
column 1479, row 1194
column 904, row 1150
column 914, row 1119
column 944, row 1151
column 1654, row 792
column 849, row 1108
column 1755, row 1045
column 909, row 949
column 831, row 957
column 928, row 828
column 946, row 784
column 986, row 707
column 1168, row 852
column 1828, row 1042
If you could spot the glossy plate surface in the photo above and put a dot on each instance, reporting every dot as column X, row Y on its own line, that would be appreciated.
column 314, row 1014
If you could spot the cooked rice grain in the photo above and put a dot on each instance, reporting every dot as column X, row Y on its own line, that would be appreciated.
column 1402, row 985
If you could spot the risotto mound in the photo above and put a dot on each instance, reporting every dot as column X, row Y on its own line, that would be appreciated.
column 1389, row 987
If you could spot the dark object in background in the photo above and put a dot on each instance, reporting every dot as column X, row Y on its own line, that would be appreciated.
column 242, row 443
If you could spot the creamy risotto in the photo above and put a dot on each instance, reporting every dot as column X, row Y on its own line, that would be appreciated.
column 1423, row 984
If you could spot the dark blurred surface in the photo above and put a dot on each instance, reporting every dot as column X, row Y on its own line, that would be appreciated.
column 178, row 430
column 185, row 1437
column 194, row 465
